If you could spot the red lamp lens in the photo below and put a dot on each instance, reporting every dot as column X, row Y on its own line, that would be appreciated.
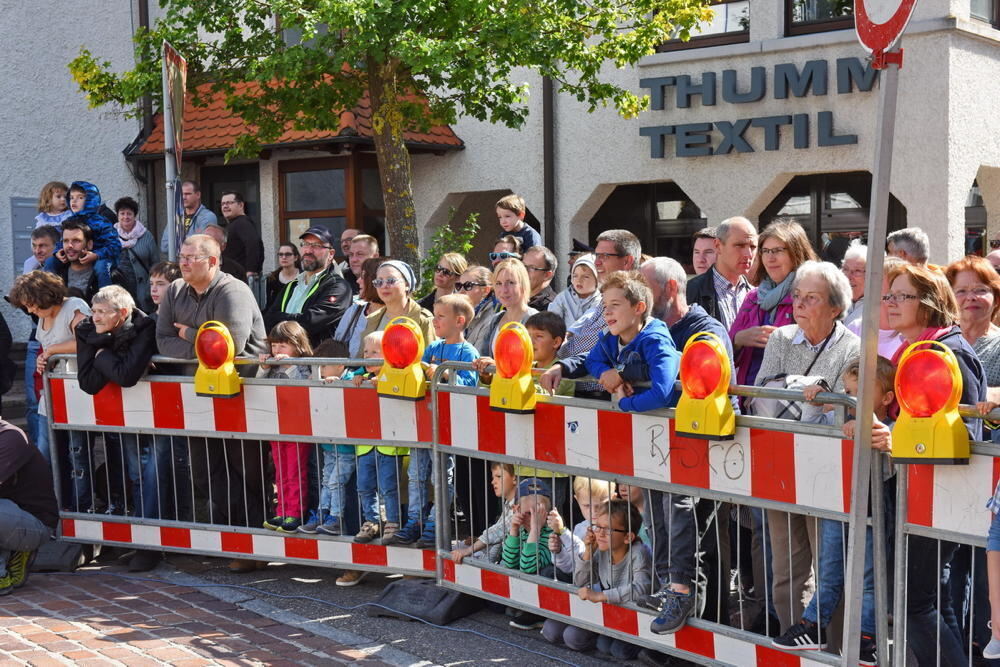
column 924, row 383
column 701, row 370
column 399, row 346
column 212, row 348
column 510, row 354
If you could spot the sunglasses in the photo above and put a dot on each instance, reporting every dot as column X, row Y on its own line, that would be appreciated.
column 494, row 256
column 467, row 287
column 386, row 282
column 995, row 243
column 442, row 271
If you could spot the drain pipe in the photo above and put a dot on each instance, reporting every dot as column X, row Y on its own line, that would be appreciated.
column 548, row 165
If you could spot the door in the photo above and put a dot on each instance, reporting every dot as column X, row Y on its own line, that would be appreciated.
column 22, row 215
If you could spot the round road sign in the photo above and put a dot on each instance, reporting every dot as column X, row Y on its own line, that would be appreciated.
column 879, row 23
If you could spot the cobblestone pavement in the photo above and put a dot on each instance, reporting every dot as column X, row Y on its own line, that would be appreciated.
column 91, row 618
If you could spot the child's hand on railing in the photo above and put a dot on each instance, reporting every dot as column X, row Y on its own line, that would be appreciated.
column 811, row 391
column 555, row 522
column 986, row 407
column 358, row 380
column 331, row 378
column 550, row 379
column 555, row 544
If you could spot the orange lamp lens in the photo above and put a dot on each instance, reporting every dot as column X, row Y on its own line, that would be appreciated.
column 399, row 347
column 212, row 348
column 510, row 354
column 924, row 383
column 701, row 370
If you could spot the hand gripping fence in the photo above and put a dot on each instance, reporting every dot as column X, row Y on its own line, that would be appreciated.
column 156, row 466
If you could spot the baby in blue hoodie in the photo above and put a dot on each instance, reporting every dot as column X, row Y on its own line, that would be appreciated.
column 636, row 348
column 85, row 203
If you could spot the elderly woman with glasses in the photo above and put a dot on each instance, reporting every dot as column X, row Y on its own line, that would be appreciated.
column 394, row 283
column 447, row 272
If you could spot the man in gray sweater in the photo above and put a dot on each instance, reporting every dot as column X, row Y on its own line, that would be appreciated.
column 228, row 475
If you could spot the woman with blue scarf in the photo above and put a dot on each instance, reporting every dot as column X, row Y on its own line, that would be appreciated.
column 784, row 247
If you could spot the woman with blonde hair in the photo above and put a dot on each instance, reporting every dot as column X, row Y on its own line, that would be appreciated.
column 513, row 289
column 449, row 268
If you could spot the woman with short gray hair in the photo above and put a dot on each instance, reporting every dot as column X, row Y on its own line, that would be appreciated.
column 853, row 265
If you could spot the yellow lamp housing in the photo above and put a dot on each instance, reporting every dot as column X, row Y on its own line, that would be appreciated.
column 513, row 388
column 216, row 375
column 704, row 410
column 928, row 387
column 402, row 375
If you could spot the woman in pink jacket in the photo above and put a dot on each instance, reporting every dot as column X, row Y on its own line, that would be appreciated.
column 784, row 246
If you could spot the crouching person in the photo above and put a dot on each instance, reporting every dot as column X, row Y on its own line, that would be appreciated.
column 114, row 346
column 28, row 508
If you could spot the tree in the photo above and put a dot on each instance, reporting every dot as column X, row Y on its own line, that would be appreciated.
column 422, row 61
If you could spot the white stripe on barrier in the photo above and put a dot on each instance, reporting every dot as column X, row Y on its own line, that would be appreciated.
column 199, row 412
column 138, row 410
column 78, row 412
column 580, row 428
column 464, row 431
column 398, row 419
column 818, row 472
column 261, row 406
column 326, row 405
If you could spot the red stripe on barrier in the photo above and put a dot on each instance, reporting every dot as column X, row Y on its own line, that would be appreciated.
column 241, row 543
column 68, row 528
column 689, row 464
column 620, row 619
column 294, row 410
column 920, row 495
column 550, row 433
column 444, row 418
column 57, row 411
column 369, row 554
column 168, row 405
column 175, row 537
column 846, row 470
column 772, row 465
column 775, row 658
column 301, row 547
column 492, row 427
column 495, row 583
column 108, row 407
column 554, row 600
column 996, row 472
column 425, row 420
column 614, row 442
column 449, row 569
column 696, row 640
column 363, row 417
column 430, row 560
column 230, row 414
column 116, row 532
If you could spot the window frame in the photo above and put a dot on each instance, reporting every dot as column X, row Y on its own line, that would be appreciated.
column 705, row 41
column 994, row 20
column 813, row 27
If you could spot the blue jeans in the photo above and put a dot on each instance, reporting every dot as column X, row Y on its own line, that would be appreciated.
column 419, row 484
column 31, row 400
column 830, row 578
column 77, row 471
column 337, row 471
column 378, row 475
column 175, row 477
column 19, row 531
column 146, row 461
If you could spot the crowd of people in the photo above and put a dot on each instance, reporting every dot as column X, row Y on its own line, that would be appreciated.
column 614, row 332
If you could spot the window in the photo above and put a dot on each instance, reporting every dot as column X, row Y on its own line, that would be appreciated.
column 808, row 16
column 729, row 25
column 986, row 10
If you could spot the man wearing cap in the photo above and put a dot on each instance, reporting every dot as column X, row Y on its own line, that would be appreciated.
column 319, row 296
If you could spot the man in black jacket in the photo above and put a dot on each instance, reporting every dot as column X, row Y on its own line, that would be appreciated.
column 319, row 296
column 114, row 346
column 244, row 244
column 721, row 289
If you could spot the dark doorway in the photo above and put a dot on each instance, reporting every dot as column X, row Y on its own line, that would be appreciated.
column 242, row 178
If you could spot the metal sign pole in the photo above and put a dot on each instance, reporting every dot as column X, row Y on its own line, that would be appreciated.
column 861, row 479
column 170, row 170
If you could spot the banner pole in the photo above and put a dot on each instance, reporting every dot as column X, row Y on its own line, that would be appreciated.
column 170, row 166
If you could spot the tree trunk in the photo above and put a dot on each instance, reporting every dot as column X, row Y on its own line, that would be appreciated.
column 394, row 167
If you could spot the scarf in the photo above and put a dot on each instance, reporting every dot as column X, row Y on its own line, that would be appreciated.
column 930, row 333
column 769, row 294
column 129, row 239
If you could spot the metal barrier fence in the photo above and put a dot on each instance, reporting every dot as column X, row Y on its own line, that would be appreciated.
column 209, row 459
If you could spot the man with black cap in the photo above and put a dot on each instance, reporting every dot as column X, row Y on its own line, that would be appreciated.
column 319, row 296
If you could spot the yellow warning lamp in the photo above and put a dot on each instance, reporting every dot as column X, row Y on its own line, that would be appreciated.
column 513, row 388
column 216, row 374
column 402, row 376
column 704, row 409
column 928, row 387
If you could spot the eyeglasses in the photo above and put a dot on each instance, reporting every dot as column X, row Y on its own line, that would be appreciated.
column 314, row 246
column 602, row 256
column 808, row 299
column 772, row 251
column 190, row 259
column 442, row 271
column 995, row 243
column 286, row 254
column 494, row 256
column 536, row 268
column 898, row 297
column 854, row 273
column 605, row 530
column 385, row 282
column 979, row 292
column 467, row 287
column 103, row 312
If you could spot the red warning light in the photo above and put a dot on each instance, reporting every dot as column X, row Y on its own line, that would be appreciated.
column 511, row 353
column 701, row 370
column 400, row 346
column 212, row 348
column 924, row 383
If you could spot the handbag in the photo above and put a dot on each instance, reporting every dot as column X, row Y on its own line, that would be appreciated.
column 780, row 408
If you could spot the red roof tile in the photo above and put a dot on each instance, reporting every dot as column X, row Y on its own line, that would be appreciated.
column 215, row 128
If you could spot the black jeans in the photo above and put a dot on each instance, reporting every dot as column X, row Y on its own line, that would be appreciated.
column 229, row 478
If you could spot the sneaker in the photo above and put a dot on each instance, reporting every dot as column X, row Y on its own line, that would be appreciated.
column 405, row 536
column 674, row 612
column 389, row 530
column 19, row 566
column 526, row 621
column 867, row 655
column 312, row 524
column 803, row 636
column 369, row 531
column 290, row 524
column 6, row 585
column 273, row 522
column 428, row 537
column 144, row 560
column 654, row 601
column 330, row 526
column 351, row 577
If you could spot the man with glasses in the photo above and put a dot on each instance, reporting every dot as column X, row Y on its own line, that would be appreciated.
column 245, row 245
column 541, row 265
column 346, row 237
column 318, row 297
column 721, row 289
column 363, row 247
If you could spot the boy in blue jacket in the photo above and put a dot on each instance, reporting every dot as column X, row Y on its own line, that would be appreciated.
column 636, row 348
column 85, row 203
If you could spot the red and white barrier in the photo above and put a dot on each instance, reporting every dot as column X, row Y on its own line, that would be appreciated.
column 953, row 498
column 531, row 595
column 806, row 470
column 288, row 411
